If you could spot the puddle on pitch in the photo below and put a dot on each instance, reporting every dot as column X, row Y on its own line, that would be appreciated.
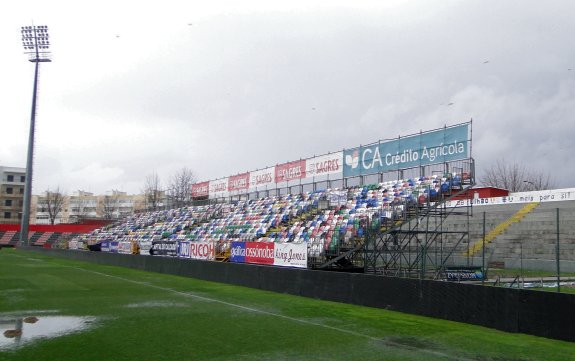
column 19, row 331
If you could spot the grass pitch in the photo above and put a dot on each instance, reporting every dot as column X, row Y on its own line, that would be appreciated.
column 149, row 316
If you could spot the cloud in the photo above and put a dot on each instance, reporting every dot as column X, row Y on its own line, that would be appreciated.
column 245, row 87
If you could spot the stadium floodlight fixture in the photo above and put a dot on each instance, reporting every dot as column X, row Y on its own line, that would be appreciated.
column 36, row 43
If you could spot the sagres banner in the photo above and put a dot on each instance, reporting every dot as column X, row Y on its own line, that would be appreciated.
column 443, row 145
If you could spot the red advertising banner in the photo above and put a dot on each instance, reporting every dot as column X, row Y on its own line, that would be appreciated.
column 290, row 171
column 200, row 189
column 260, row 252
column 239, row 182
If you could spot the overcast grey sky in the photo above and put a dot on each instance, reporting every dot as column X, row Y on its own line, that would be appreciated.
column 224, row 87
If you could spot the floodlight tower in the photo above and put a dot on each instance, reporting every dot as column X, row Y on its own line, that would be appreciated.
column 36, row 42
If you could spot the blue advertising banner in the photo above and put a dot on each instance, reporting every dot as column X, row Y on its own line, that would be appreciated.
column 238, row 252
column 443, row 145
column 184, row 249
column 114, row 246
column 105, row 246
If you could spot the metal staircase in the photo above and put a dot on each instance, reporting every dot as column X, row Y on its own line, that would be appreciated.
column 411, row 241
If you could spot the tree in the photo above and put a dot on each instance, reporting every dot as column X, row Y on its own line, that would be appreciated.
column 110, row 205
column 153, row 191
column 53, row 203
column 180, row 187
column 516, row 177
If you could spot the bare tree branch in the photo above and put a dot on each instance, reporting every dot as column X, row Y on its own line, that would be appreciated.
column 53, row 203
column 152, row 191
column 180, row 187
column 110, row 205
column 515, row 177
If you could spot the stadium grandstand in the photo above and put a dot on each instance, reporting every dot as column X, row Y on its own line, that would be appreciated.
column 403, row 207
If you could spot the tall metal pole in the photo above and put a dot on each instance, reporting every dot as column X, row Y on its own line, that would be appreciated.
column 36, row 44
column 29, row 166
column 483, row 252
column 557, row 256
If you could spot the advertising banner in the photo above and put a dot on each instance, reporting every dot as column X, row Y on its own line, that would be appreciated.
column 263, row 178
column 239, row 182
column 290, row 255
column 238, row 252
column 196, row 250
column 201, row 189
column 289, row 171
column 337, row 198
column 544, row 196
column 330, row 164
column 443, row 145
column 463, row 273
column 219, row 188
column 145, row 247
column 259, row 252
column 105, row 246
column 112, row 247
column 164, row 248
column 125, row 247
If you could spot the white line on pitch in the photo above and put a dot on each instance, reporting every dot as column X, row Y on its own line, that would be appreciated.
column 255, row 310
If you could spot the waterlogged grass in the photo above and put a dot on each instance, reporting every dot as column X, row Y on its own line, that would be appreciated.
column 149, row 316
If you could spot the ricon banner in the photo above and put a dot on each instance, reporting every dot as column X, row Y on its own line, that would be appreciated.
column 238, row 252
column 196, row 250
column 290, row 255
column 443, row 145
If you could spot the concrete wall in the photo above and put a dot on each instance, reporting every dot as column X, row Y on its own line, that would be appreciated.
column 533, row 239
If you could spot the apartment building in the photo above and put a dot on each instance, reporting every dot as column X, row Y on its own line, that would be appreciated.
column 84, row 205
column 12, row 181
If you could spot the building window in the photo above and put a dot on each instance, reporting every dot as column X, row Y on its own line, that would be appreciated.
column 22, row 178
column 10, row 178
column 21, row 190
column 7, row 215
column 9, row 190
column 8, row 203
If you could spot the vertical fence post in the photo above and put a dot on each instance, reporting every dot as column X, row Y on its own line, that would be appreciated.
column 557, row 255
column 483, row 252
